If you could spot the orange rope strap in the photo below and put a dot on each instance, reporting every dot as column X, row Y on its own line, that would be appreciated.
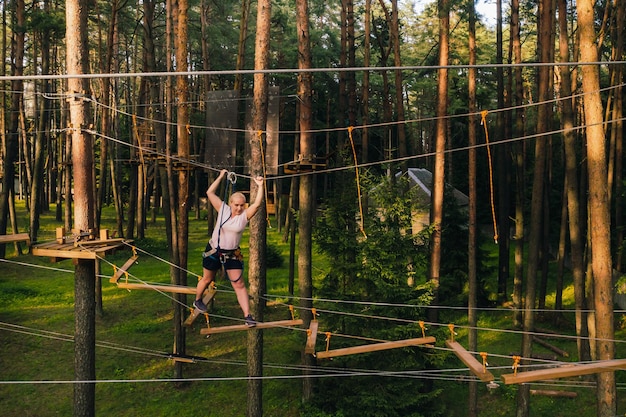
column 358, row 182
column 452, row 332
column 485, row 364
column 483, row 122
column 260, row 135
column 421, row 323
column 516, row 360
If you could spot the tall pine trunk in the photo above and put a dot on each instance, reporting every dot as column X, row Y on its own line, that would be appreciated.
column 258, row 231
column 436, row 207
column 600, row 230
column 306, row 199
column 82, row 162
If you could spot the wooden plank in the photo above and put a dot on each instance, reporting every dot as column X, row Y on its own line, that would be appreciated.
column 120, row 271
column 239, row 327
column 470, row 361
column 311, row 337
column 206, row 299
column 107, row 242
column 66, row 254
column 375, row 347
column 565, row 371
column 178, row 289
column 18, row 237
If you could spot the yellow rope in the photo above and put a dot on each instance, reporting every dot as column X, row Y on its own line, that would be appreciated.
column 358, row 182
column 267, row 216
column 493, row 204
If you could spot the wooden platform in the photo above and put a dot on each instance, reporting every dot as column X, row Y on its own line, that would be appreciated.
column 565, row 371
column 240, row 327
column 372, row 347
column 91, row 249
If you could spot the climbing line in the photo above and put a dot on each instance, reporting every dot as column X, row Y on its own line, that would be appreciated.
column 358, row 182
column 483, row 122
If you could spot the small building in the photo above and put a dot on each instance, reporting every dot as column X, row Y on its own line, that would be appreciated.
column 421, row 180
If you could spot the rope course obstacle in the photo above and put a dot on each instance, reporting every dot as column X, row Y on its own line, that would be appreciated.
column 78, row 245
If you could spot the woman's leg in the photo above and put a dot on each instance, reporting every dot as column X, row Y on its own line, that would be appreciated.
column 236, row 279
column 207, row 277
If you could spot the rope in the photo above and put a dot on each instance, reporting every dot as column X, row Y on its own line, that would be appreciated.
column 358, row 182
column 483, row 122
column 267, row 216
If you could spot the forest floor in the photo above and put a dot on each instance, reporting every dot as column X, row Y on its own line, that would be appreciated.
column 135, row 336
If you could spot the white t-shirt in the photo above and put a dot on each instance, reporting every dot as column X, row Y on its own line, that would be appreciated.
column 228, row 230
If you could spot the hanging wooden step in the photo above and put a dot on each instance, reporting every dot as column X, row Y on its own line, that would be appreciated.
column 259, row 325
column 565, row 371
column 375, row 347
column 470, row 361
column 208, row 295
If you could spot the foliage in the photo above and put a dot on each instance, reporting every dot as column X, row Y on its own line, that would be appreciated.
column 375, row 278
column 273, row 257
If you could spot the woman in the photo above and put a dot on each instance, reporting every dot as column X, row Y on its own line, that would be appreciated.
column 223, row 251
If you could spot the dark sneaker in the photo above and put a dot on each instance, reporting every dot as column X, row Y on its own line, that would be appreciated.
column 200, row 305
column 250, row 322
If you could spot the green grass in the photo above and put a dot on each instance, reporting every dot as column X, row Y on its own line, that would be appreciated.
column 136, row 330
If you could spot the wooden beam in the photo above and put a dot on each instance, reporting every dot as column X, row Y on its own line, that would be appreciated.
column 565, row 371
column 373, row 347
column 18, row 237
column 550, row 346
column 177, row 289
column 239, row 327
column 553, row 393
column 311, row 337
column 470, row 361
column 206, row 299
column 120, row 271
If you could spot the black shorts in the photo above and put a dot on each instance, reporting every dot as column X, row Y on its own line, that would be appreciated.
column 213, row 262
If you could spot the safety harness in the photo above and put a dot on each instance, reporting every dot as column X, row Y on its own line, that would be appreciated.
column 222, row 254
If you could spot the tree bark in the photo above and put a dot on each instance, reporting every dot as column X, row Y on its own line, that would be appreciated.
column 598, row 207
column 82, row 161
column 182, row 137
column 472, row 301
column 258, row 231
column 12, row 137
column 534, row 242
column 572, row 187
column 436, row 207
column 306, row 199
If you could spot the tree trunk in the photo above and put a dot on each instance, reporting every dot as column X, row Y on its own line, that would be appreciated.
column 472, row 301
column 519, row 155
column 436, row 207
column 37, row 192
column 306, row 199
column 600, row 230
column 241, row 45
column 12, row 139
column 534, row 242
column 182, row 136
column 258, row 231
column 395, row 33
column 572, row 187
column 82, row 161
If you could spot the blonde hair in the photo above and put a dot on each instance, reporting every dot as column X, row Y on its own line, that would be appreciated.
column 236, row 195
